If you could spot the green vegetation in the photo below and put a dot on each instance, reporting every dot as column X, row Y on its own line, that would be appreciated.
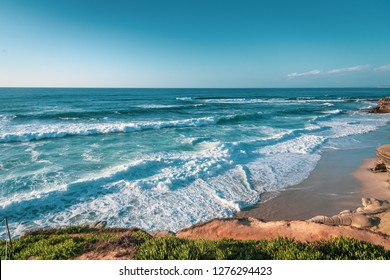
column 71, row 242
column 172, row 248
column 56, row 244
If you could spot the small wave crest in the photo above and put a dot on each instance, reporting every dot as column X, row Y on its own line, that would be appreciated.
column 185, row 98
column 337, row 111
column 6, row 118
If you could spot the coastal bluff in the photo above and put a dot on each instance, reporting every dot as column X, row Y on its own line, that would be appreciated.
column 370, row 223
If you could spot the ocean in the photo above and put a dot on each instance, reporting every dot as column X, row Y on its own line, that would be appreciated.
column 164, row 158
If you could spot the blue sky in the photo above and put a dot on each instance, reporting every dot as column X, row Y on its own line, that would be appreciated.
column 145, row 43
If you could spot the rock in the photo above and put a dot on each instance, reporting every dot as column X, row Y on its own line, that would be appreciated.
column 360, row 209
column 318, row 219
column 374, row 212
column 98, row 224
column 382, row 107
column 365, row 202
column 373, row 205
column 362, row 221
column 380, row 166
column 383, row 153
column 337, row 220
column 345, row 212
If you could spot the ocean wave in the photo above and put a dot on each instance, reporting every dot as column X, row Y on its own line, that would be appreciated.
column 96, row 115
column 277, row 171
column 148, row 193
column 172, row 169
column 89, row 155
column 337, row 111
column 161, row 106
column 343, row 128
column 304, row 144
column 20, row 133
column 185, row 98
column 6, row 118
column 286, row 101
column 240, row 117
column 32, row 132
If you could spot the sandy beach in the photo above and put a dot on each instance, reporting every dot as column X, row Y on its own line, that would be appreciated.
column 373, row 184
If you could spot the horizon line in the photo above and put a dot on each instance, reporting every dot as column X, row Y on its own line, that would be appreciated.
column 93, row 87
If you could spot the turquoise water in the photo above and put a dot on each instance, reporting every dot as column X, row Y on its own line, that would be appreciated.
column 164, row 158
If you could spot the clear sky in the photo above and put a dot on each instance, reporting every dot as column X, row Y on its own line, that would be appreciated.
column 197, row 43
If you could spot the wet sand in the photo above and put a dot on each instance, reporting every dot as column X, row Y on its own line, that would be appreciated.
column 339, row 181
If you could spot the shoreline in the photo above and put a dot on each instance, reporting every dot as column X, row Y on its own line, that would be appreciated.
column 338, row 182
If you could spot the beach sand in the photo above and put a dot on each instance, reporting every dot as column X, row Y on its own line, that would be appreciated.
column 374, row 185
column 323, row 194
column 339, row 181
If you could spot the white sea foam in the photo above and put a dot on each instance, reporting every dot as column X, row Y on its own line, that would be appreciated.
column 6, row 118
column 279, row 171
column 304, row 144
column 43, row 131
column 37, row 182
column 158, row 106
column 360, row 124
column 227, row 100
column 337, row 111
column 152, row 201
column 89, row 155
column 271, row 100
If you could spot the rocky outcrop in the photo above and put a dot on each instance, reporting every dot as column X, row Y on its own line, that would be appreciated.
column 303, row 231
column 382, row 107
column 370, row 223
column 383, row 153
column 370, row 216
column 379, row 166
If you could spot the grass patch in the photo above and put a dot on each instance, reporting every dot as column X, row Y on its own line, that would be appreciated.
column 172, row 248
column 68, row 243
column 57, row 244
